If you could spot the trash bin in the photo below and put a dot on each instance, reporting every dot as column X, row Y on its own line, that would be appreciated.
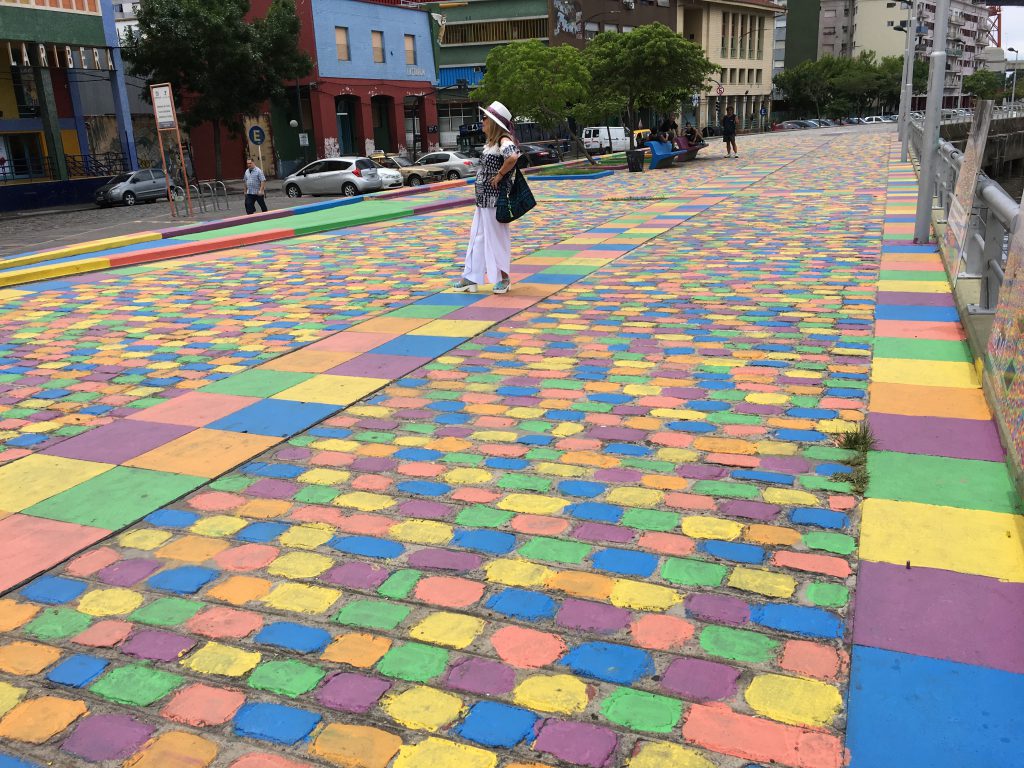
column 635, row 160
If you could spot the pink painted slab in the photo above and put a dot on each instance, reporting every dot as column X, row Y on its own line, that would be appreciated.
column 31, row 545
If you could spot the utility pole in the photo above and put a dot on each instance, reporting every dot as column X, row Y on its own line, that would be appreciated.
column 933, row 113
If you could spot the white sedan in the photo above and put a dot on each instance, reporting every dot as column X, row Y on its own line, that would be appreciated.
column 390, row 177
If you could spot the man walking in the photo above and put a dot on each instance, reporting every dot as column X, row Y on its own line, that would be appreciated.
column 255, row 188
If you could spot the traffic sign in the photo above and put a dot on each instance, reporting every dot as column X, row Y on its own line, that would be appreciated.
column 720, row 90
column 257, row 135
column 764, row 111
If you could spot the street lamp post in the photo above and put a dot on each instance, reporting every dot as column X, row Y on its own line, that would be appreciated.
column 1013, row 90
column 906, row 91
column 930, row 140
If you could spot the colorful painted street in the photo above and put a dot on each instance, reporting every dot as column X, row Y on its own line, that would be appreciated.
column 293, row 503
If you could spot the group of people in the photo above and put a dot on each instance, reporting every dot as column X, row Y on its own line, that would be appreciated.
column 668, row 130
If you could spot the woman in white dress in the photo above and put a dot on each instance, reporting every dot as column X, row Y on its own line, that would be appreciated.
column 489, row 253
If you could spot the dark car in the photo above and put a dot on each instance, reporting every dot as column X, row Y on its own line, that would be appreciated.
column 536, row 154
column 789, row 125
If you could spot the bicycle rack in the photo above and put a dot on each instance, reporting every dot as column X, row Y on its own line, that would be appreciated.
column 197, row 196
column 221, row 187
column 207, row 186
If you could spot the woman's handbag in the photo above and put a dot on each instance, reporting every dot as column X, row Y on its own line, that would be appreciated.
column 514, row 200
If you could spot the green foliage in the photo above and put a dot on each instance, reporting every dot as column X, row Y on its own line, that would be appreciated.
column 651, row 66
column 534, row 80
column 984, row 84
column 220, row 65
column 840, row 87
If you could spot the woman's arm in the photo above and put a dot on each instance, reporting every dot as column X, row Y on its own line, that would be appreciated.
column 506, row 168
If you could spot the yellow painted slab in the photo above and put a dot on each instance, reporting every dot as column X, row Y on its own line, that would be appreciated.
column 10, row 294
column 962, row 540
column 461, row 329
column 204, row 452
column 79, row 248
column 928, row 373
column 34, row 478
column 914, row 286
column 332, row 390
column 44, row 272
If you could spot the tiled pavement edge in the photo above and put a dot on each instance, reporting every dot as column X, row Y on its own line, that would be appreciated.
column 938, row 662
column 75, row 493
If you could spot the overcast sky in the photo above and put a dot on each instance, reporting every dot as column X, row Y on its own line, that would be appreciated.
column 1013, row 30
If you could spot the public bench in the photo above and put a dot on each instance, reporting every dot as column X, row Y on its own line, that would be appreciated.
column 664, row 153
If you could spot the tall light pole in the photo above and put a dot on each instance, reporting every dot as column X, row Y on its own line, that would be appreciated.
column 907, row 89
column 1013, row 90
column 933, row 111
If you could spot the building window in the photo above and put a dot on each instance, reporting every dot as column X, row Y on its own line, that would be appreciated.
column 611, row 28
column 341, row 43
column 758, row 73
column 628, row 28
column 829, row 14
column 476, row 32
column 590, row 30
column 378, row 46
column 410, row 49
column 890, row 23
column 828, row 31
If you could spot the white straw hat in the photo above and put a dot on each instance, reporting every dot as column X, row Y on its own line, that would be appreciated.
column 499, row 113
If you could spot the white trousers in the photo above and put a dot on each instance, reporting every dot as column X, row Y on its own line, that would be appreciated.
column 489, row 252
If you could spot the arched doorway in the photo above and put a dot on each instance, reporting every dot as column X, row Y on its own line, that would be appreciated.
column 346, row 110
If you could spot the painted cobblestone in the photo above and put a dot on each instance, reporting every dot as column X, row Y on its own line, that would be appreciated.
column 602, row 531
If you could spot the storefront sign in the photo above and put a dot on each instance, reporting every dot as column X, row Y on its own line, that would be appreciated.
column 59, row 56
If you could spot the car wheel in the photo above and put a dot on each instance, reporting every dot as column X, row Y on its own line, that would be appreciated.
column 129, row 198
column 348, row 189
column 292, row 190
column 415, row 181
column 453, row 175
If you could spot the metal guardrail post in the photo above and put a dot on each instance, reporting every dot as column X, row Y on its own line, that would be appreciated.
column 220, row 186
column 198, row 196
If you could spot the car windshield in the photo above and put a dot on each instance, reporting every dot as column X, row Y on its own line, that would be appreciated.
column 401, row 162
column 121, row 178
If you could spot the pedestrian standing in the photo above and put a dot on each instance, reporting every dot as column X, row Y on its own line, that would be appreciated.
column 255, row 188
column 729, row 133
column 489, row 253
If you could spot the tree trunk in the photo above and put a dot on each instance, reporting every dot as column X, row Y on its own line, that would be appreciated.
column 217, row 151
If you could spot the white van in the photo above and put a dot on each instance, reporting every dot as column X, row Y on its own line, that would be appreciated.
column 605, row 138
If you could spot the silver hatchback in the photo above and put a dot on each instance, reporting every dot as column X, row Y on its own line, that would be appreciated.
column 347, row 176
column 457, row 165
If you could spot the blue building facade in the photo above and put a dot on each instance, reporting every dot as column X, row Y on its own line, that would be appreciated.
column 374, row 86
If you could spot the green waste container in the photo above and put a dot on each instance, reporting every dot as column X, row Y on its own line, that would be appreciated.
column 635, row 160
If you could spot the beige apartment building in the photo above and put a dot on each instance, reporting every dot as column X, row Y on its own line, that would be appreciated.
column 737, row 35
column 847, row 28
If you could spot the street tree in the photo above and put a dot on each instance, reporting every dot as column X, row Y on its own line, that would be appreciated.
column 984, row 84
column 536, row 81
column 221, row 66
column 650, row 66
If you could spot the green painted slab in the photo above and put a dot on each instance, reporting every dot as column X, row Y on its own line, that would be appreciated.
column 315, row 221
column 257, row 383
column 117, row 498
column 964, row 483
column 922, row 349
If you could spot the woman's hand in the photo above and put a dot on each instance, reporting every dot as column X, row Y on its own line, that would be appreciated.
column 496, row 180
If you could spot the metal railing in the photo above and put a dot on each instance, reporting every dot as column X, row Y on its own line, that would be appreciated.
column 990, row 226
column 38, row 168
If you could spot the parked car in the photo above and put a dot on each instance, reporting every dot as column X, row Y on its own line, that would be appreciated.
column 412, row 176
column 891, row 118
column 456, row 165
column 146, row 185
column 806, row 123
column 873, row 119
column 822, row 123
column 788, row 125
column 537, row 154
column 854, row 121
column 389, row 178
column 605, row 138
column 347, row 176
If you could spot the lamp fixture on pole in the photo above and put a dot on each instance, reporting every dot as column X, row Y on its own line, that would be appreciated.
column 1013, row 90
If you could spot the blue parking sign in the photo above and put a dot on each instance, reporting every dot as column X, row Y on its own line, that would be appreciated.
column 764, row 111
column 257, row 135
